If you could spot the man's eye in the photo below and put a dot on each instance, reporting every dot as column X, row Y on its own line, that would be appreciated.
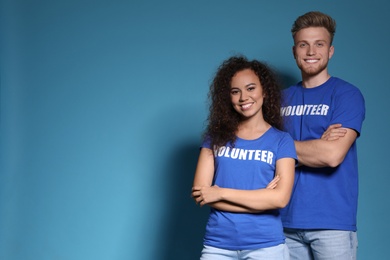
column 302, row 45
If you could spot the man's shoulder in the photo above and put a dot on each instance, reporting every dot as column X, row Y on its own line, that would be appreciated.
column 342, row 84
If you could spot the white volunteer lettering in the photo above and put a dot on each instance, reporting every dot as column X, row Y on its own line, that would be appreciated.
column 227, row 151
column 299, row 110
column 293, row 110
column 313, row 110
column 304, row 109
column 318, row 111
column 324, row 110
column 221, row 151
column 234, row 154
column 250, row 154
column 288, row 111
column 307, row 109
column 270, row 157
column 263, row 156
column 257, row 155
column 243, row 154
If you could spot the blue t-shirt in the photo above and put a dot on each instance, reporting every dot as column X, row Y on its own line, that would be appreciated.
column 249, row 165
column 323, row 198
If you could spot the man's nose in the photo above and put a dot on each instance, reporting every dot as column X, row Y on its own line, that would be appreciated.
column 311, row 50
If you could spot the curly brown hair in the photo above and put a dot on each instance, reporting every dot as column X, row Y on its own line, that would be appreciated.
column 223, row 119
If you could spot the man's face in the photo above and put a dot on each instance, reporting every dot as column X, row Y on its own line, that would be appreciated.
column 312, row 50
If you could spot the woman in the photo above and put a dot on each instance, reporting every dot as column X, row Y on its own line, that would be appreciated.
column 243, row 152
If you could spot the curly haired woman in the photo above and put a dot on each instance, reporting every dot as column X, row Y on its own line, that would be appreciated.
column 245, row 170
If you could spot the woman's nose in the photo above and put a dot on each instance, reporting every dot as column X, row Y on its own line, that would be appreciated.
column 243, row 96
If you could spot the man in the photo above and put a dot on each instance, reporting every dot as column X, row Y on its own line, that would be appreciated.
column 324, row 115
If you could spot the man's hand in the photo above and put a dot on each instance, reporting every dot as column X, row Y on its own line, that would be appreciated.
column 334, row 132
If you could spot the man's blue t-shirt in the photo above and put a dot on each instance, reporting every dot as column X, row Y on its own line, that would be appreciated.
column 323, row 198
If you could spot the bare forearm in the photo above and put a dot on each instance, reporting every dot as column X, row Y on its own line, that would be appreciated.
column 256, row 200
column 275, row 195
column 328, row 151
column 319, row 153
column 315, row 153
column 241, row 200
column 227, row 206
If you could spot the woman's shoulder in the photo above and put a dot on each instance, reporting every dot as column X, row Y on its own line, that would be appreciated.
column 278, row 134
column 278, row 131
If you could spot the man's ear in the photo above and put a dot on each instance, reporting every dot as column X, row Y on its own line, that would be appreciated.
column 331, row 51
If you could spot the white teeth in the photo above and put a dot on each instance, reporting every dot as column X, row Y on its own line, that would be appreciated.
column 246, row 106
column 311, row 61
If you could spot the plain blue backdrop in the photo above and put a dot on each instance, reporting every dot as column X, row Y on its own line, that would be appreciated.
column 103, row 104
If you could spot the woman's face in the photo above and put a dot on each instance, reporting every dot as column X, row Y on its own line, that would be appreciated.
column 246, row 93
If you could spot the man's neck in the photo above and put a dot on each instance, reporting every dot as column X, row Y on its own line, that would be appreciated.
column 314, row 81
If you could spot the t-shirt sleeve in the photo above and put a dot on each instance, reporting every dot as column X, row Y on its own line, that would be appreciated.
column 286, row 148
column 349, row 108
column 206, row 143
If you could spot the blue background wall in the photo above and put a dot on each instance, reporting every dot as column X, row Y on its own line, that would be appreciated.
column 103, row 104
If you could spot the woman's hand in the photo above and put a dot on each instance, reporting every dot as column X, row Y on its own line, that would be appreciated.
column 205, row 195
column 274, row 182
